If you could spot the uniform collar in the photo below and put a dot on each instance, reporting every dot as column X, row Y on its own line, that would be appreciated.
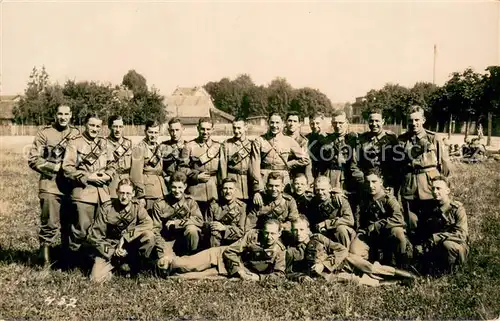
column 114, row 140
column 88, row 138
column 200, row 141
column 378, row 196
column 146, row 142
column 445, row 207
column 240, row 141
column 119, row 207
column 56, row 126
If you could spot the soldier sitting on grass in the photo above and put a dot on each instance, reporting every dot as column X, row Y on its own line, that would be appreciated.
column 121, row 231
column 316, row 256
column 301, row 193
column 258, row 255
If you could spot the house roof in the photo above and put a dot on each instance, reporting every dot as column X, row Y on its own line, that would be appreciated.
column 189, row 106
column 6, row 108
column 221, row 113
column 9, row 97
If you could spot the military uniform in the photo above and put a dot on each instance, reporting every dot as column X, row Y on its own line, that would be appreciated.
column 381, row 227
column 121, row 154
column 198, row 157
column 114, row 222
column 445, row 233
column 421, row 158
column 377, row 152
column 307, row 170
column 85, row 156
column 283, row 209
column 45, row 154
column 188, row 229
column 172, row 156
column 235, row 163
column 315, row 143
column 147, row 172
column 336, row 219
column 249, row 254
column 303, row 201
column 274, row 154
column 232, row 215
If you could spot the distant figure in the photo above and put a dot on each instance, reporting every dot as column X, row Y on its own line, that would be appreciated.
column 480, row 133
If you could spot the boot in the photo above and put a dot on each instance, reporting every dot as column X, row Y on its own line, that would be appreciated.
column 45, row 254
column 404, row 274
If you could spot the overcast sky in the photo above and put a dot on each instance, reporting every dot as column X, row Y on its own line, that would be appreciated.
column 341, row 48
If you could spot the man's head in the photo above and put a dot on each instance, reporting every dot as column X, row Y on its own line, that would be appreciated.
column 274, row 186
column 315, row 122
column 375, row 121
column 229, row 188
column 322, row 188
column 416, row 119
column 270, row 232
column 125, row 191
column 374, row 182
column 63, row 115
column 93, row 124
column 178, row 185
column 300, row 228
column 205, row 126
column 300, row 184
column 275, row 123
column 440, row 189
column 115, row 125
column 340, row 123
column 292, row 122
column 175, row 129
column 239, row 128
column 152, row 131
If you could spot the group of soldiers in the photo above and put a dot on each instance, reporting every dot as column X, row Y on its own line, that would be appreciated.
column 284, row 204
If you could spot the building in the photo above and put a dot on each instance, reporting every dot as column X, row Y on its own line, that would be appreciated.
column 357, row 110
column 192, row 103
column 7, row 104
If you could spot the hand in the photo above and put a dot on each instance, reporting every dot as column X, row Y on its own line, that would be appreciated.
column 57, row 167
column 318, row 268
column 142, row 202
column 321, row 227
column 337, row 199
column 172, row 223
column 257, row 199
column 96, row 179
column 121, row 252
column 217, row 226
column 203, row 177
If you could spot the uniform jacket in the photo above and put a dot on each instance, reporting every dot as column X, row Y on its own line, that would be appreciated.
column 307, row 169
column 234, row 162
column 315, row 143
column 172, row 156
column 329, row 214
column 284, row 208
column 120, row 153
column 303, row 201
column 232, row 215
column 384, row 212
column 447, row 223
column 146, row 171
column 46, row 152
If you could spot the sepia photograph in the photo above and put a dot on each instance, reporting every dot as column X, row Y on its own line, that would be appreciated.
column 249, row 160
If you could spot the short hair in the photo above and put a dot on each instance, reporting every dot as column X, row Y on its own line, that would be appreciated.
column 300, row 218
column 205, row 120
column 151, row 123
column 416, row 109
column 178, row 177
column 338, row 112
column 174, row 120
column 299, row 175
column 374, row 171
column 91, row 115
column 321, row 179
column 293, row 113
column 239, row 118
column 316, row 115
column 228, row 180
column 63, row 105
column 270, row 221
column 275, row 175
column 274, row 113
column 375, row 111
column 125, row 181
column 112, row 119
column 441, row 178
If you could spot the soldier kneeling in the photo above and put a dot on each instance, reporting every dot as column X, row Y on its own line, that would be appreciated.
column 121, row 231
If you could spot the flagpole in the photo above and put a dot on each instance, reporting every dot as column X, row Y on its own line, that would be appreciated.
column 434, row 66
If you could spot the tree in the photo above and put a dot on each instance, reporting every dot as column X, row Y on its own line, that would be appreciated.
column 394, row 101
column 135, row 82
column 280, row 95
column 307, row 101
column 492, row 96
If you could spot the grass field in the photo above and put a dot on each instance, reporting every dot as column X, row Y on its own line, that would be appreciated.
column 28, row 292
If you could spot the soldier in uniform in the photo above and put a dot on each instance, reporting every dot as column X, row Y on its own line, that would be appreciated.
column 235, row 159
column 315, row 141
column 421, row 156
column 301, row 193
column 120, row 150
column 292, row 129
column 329, row 215
column 146, row 172
column 121, row 231
column 173, row 148
column 85, row 163
column 200, row 161
column 276, row 205
column 45, row 157
column 258, row 255
column 176, row 218
column 315, row 255
column 226, row 216
column 271, row 152
column 443, row 236
column 376, row 150
column 382, row 226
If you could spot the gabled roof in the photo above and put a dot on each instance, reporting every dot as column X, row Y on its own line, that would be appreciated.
column 10, row 97
column 221, row 113
column 188, row 106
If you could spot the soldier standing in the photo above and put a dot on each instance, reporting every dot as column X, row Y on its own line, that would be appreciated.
column 86, row 165
column 121, row 231
column 315, row 141
column 421, row 156
column 200, row 161
column 271, row 152
column 292, row 129
column 235, row 159
column 174, row 146
column 146, row 172
column 120, row 150
column 376, row 151
column 46, row 156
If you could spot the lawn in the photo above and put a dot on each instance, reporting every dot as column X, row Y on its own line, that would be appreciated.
column 27, row 291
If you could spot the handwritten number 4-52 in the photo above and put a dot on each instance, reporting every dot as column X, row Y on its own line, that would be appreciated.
column 61, row 302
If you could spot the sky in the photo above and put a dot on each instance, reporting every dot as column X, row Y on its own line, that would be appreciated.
column 342, row 48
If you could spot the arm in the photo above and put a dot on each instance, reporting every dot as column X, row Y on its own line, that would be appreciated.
column 458, row 232
column 144, row 223
column 444, row 164
column 36, row 160
column 301, row 155
column 136, row 169
column 235, row 232
column 158, row 219
column 185, row 165
column 232, row 255
column 346, row 217
column 97, row 235
column 222, row 162
column 194, row 216
column 279, row 266
column 255, row 175
column 69, row 165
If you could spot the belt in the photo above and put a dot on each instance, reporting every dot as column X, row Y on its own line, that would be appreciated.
column 237, row 171
column 274, row 167
column 122, row 171
column 421, row 170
